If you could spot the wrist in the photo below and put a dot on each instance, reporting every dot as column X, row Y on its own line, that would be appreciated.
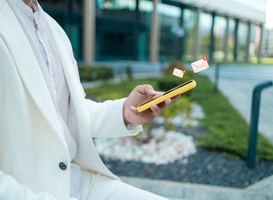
column 126, row 122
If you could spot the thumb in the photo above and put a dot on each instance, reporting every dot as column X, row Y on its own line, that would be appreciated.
column 146, row 90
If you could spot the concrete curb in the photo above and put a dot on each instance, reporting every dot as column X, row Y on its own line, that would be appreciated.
column 264, row 186
column 188, row 191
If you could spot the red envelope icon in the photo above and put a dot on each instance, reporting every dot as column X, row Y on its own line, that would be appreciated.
column 199, row 65
column 178, row 72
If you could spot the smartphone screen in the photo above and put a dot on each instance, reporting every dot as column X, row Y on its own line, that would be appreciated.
column 179, row 86
column 151, row 99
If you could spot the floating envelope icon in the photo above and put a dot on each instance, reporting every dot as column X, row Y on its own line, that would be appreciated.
column 199, row 65
column 178, row 72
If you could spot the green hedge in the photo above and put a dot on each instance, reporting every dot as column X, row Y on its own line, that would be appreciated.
column 90, row 73
column 170, row 81
column 228, row 130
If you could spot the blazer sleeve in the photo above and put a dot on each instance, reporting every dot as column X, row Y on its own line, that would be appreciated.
column 106, row 119
column 11, row 189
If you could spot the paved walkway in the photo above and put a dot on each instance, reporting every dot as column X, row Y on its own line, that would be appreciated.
column 262, row 190
column 238, row 82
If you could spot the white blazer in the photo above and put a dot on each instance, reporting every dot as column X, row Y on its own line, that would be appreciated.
column 31, row 140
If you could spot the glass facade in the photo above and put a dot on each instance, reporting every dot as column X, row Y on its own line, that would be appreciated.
column 205, row 34
column 242, row 41
column 69, row 15
column 123, row 31
column 219, row 38
column 231, row 40
column 254, row 42
column 115, row 30
column 189, row 24
column 170, row 31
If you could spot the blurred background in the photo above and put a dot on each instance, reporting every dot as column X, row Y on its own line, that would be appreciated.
column 204, row 136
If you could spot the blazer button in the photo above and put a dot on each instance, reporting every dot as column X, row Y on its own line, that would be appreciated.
column 62, row 166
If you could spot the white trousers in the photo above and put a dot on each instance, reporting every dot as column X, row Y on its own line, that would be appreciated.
column 99, row 187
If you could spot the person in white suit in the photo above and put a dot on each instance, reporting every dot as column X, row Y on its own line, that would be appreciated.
column 47, row 125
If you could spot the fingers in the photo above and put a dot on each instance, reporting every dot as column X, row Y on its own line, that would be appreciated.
column 141, row 114
column 166, row 104
column 145, row 116
column 176, row 97
column 156, row 110
column 158, row 93
column 146, row 90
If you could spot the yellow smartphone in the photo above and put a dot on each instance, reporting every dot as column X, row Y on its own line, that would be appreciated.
column 167, row 95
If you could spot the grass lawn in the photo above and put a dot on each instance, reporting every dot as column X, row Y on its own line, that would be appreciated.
column 263, row 60
column 227, row 130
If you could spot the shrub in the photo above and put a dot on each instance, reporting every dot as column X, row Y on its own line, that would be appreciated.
column 85, row 72
column 129, row 72
column 110, row 96
column 182, row 104
column 89, row 73
column 167, row 84
column 228, row 130
column 171, row 81
column 171, row 65
column 103, row 72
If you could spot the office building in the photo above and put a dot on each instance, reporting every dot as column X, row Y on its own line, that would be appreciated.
column 145, row 30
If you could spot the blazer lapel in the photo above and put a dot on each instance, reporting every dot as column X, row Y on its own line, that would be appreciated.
column 27, row 66
column 73, row 82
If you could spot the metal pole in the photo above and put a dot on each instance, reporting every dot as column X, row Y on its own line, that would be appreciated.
column 253, row 132
column 211, row 48
column 89, row 33
column 136, row 32
column 226, row 40
column 236, row 40
column 180, row 40
column 196, row 35
column 261, row 43
column 217, row 69
column 155, row 33
column 248, row 41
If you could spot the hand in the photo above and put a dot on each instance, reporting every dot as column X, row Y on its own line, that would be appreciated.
column 140, row 94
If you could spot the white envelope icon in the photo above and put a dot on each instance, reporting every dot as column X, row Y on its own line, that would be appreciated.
column 199, row 65
column 178, row 72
